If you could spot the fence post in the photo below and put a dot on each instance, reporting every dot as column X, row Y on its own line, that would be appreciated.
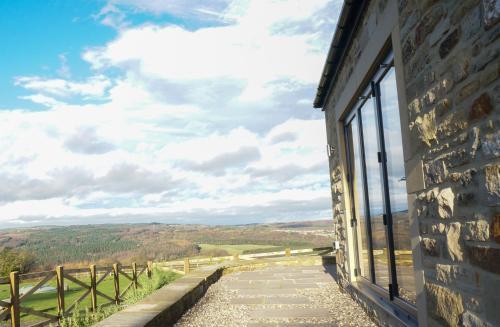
column 15, row 317
column 116, row 279
column 288, row 252
column 186, row 266
column 60, row 290
column 93, row 287
column 134, row 274
column 150, row 269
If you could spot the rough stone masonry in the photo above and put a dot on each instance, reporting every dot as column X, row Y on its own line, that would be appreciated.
column 450, row 56
column 451, row 67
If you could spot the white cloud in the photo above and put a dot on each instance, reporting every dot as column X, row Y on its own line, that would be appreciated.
column 201, row 9
column 85, row 140
column 257, row 49
column 112, row 16
column 42, row 99
column 94, row 86
column 217, row 172
column 64, row 70
column 273, row 12
column 201, row 124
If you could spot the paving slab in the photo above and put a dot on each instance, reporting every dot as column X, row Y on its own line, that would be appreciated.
column 248, row 300
column 270, row 300
column 259, row 324
column 260, row 277
column 268, row 291
column 265, row 313
column 298, row 324
column 288, row 300
column 320, row 279
column 276, row 296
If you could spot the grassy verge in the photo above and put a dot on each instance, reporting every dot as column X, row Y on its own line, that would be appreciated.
column 83, row 318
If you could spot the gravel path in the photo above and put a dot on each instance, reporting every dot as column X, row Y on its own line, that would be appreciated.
column 276, row 296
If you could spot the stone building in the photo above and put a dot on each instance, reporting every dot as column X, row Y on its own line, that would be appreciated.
column 410, row 92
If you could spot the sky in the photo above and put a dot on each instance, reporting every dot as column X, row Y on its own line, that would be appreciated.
column 173, row 111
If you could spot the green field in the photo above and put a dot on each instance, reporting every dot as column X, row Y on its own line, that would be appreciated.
column 233, row 249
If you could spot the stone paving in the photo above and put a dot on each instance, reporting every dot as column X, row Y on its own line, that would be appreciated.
column 276, row 296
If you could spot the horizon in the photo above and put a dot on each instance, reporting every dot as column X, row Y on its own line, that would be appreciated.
column 3, row 228
column 126, row 111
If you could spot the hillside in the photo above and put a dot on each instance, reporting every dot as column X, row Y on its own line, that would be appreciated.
column 102, row 244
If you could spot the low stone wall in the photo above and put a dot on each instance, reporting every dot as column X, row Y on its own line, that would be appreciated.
column 166, row 305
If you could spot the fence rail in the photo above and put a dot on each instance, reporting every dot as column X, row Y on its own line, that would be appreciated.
column 12, row 308
column 186, row 265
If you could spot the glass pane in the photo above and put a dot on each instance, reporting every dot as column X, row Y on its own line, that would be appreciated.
column 358, row 197
column 379, row 242
column 397, row 187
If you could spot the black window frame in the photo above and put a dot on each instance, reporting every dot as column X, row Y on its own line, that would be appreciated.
column 371, row 92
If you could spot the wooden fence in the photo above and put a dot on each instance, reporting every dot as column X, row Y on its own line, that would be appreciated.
column 186, row 265
column 13, row 308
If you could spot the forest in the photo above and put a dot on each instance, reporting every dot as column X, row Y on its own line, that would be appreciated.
column 41, row 248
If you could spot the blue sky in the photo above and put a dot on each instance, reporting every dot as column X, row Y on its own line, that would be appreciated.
column 172, row 111
column 36, row 33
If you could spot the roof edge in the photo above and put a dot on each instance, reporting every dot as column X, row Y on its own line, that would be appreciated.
column 347, row 24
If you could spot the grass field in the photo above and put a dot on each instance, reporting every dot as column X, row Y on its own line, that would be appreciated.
column 236, row 249
column 47, row 302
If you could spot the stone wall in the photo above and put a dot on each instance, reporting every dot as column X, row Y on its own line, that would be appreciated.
column 451, row 69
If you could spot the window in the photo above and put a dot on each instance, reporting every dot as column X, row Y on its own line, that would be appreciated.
column 378, row 188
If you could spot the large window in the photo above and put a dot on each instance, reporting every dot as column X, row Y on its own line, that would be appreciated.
column 378, row 188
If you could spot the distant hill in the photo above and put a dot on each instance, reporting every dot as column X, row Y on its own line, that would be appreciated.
column 104, row 244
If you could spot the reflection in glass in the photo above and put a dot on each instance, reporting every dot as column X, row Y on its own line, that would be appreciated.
column 397, row 187
column 379, row 242
column 358, row 197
